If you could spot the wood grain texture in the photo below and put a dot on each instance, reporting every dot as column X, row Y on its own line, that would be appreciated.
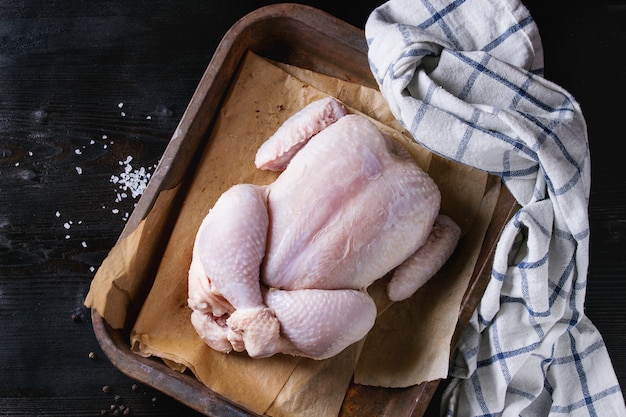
column 65, row 68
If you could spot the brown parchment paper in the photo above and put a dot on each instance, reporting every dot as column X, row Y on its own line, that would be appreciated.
column 262, row 97
column 118, row 288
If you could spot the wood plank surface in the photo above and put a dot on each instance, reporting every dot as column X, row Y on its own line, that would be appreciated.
column 86, row 85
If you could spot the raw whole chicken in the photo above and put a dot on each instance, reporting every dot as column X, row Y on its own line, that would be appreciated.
column 284, row 268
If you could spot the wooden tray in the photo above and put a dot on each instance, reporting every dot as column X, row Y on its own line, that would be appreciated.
column 308, row 38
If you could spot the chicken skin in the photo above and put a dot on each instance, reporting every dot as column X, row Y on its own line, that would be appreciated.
column 284, row 268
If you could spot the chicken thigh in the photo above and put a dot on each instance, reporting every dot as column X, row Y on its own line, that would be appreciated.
column 284, row 268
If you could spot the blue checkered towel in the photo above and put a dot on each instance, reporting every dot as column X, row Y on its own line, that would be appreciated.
column 465, row 78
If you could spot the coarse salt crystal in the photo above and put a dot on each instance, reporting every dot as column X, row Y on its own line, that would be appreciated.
column 133, row 180
column 66, row 225
column 57, row 214
column 79, row 170
column 77, row 151
column 84, row 244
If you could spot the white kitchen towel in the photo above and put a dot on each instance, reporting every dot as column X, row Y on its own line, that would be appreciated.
column 465, row 78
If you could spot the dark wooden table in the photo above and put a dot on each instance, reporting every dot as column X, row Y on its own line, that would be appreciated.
column 86, row 85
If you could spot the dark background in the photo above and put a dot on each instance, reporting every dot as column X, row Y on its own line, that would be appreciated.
column 65, row 67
